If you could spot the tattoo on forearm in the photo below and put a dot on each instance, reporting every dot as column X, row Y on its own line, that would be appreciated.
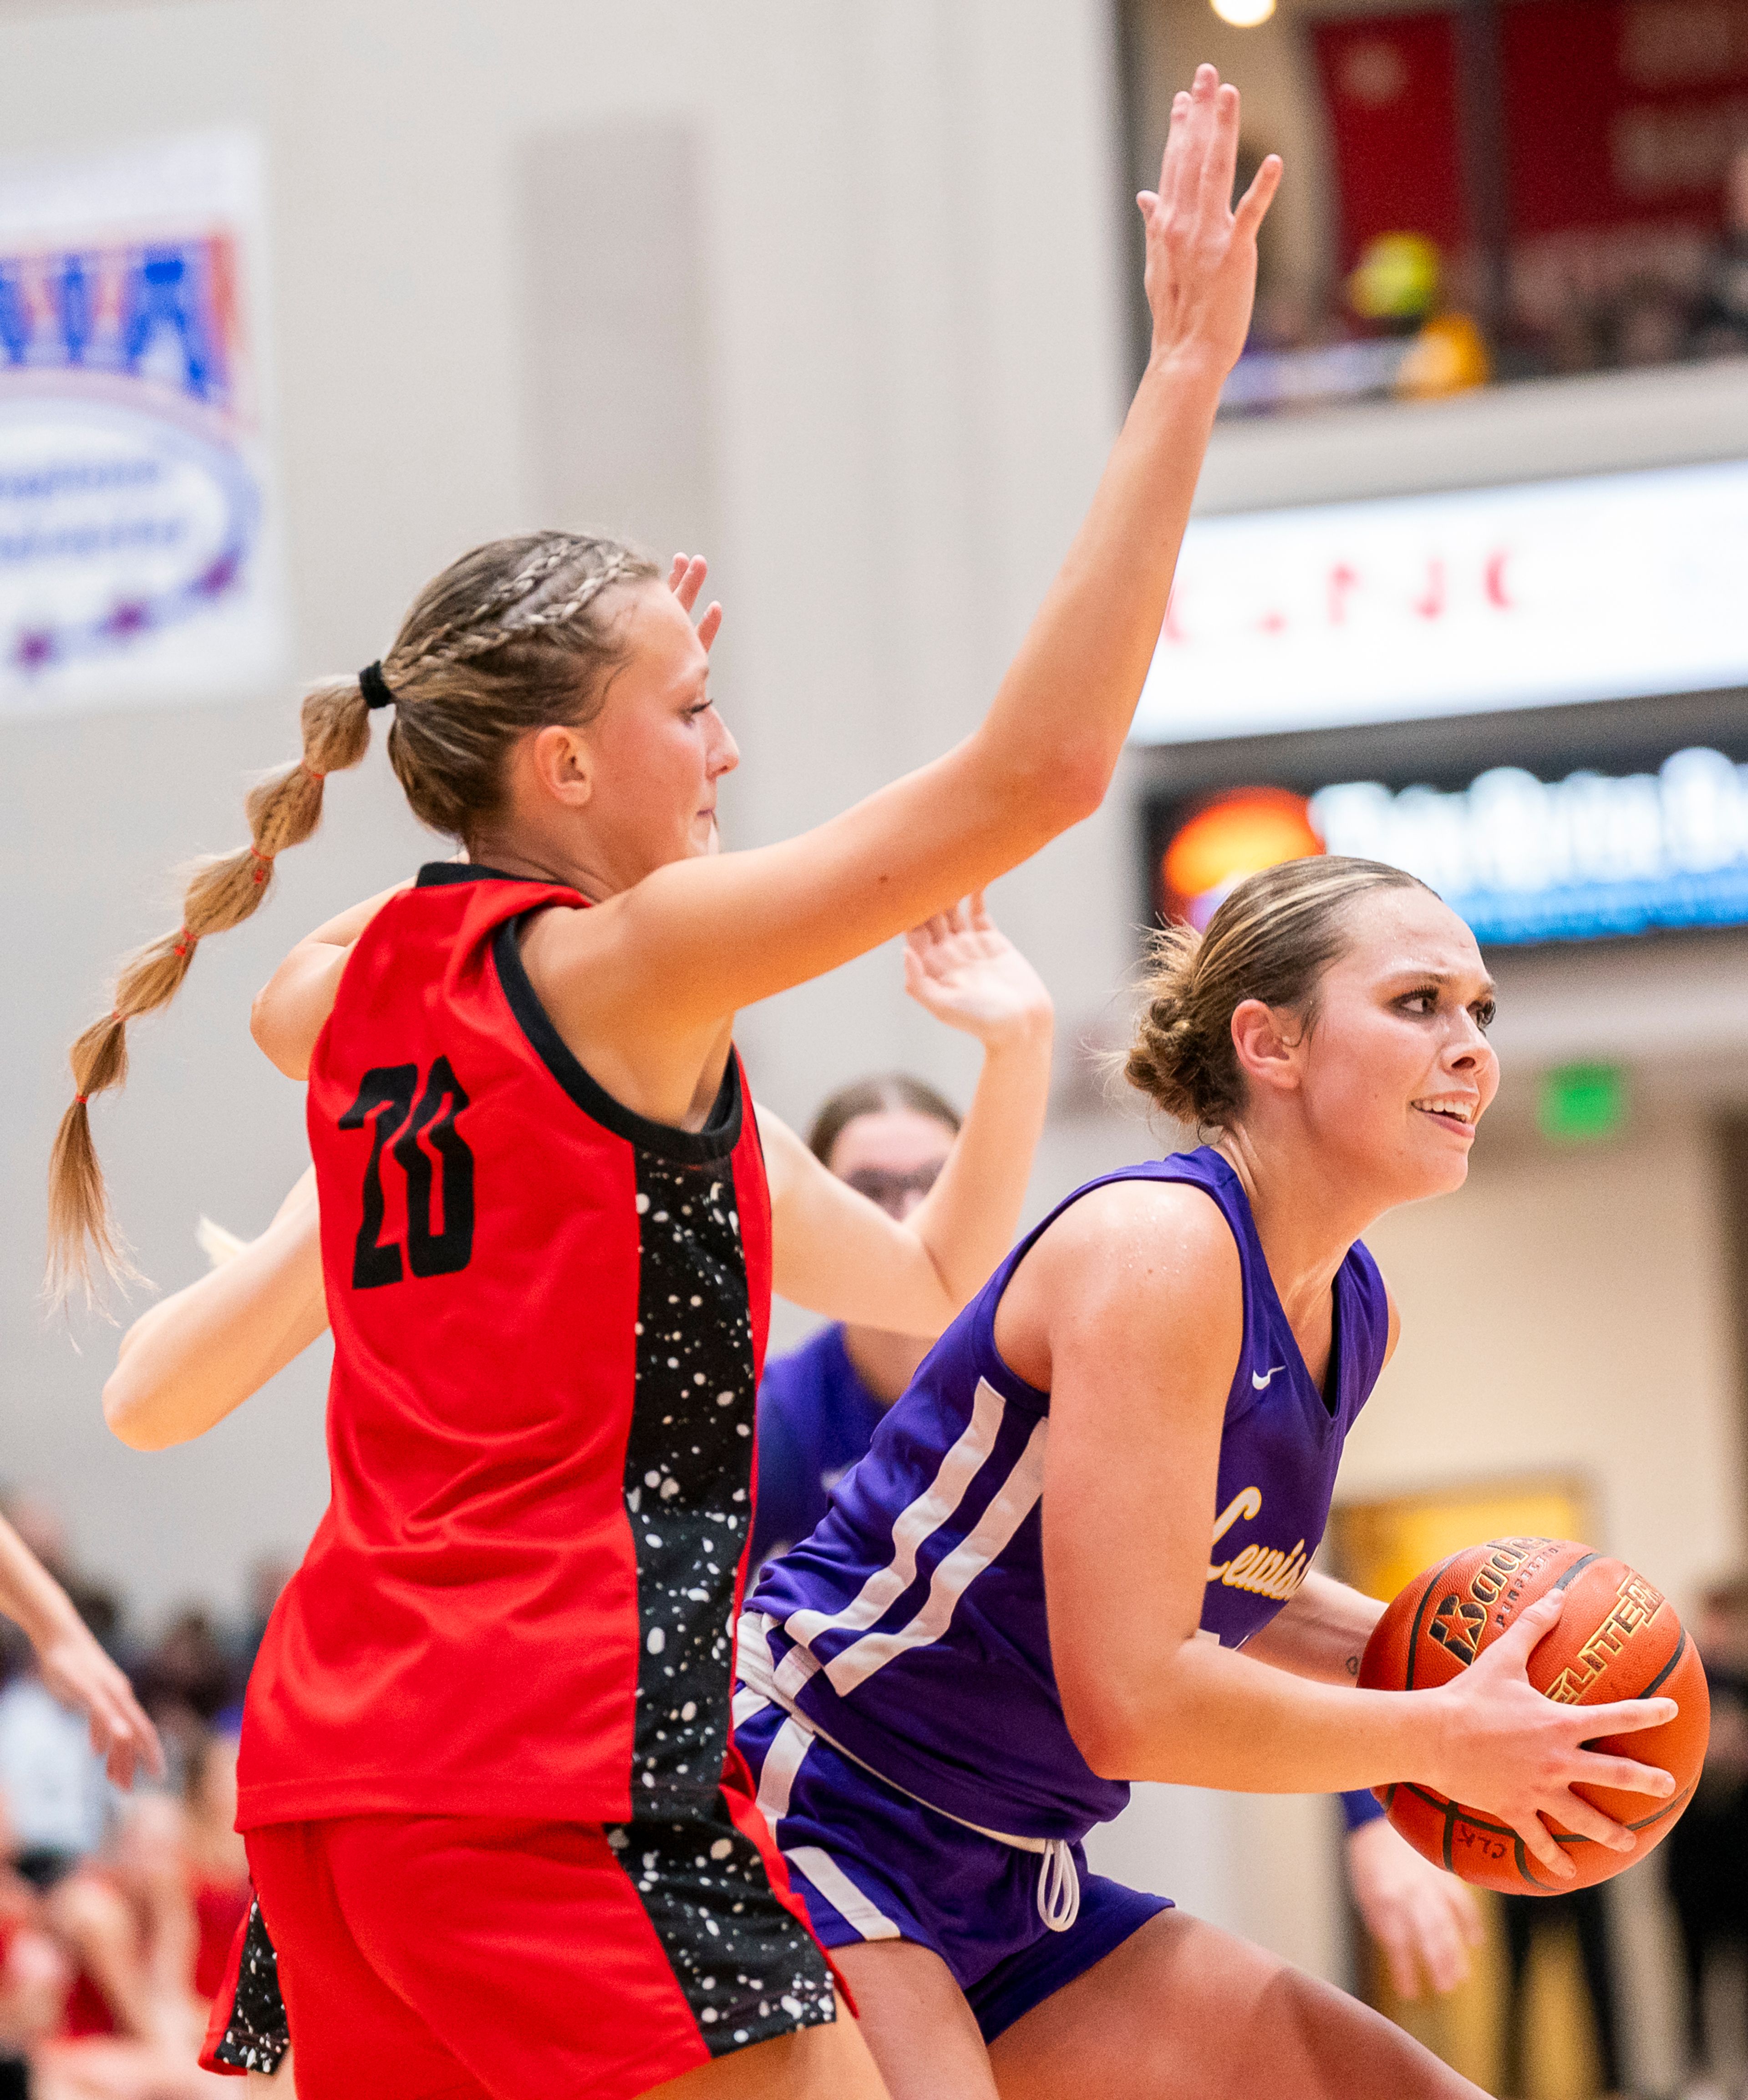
column 1353, row 1666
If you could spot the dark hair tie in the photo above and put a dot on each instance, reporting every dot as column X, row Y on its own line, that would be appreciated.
column 374, row 686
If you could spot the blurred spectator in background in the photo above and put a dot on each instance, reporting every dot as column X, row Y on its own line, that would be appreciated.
column 1720, row 324
column 820, row 1406
column 1582, row 1911
column 147, row 1925
column 69, row 1727
column 266, row 1578
column 1705, row 1856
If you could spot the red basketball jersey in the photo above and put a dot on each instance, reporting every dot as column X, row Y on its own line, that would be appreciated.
column 549, row 1318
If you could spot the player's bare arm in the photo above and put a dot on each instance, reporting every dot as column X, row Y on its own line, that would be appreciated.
column 198, row 1355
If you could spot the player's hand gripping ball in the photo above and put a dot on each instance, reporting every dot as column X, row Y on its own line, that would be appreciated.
column 1617, row 1638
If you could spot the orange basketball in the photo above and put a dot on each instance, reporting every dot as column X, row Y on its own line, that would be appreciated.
column 1618, row 1639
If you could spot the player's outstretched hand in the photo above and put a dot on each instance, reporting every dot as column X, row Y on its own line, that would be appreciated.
column 1509, row 1749
column 1201, row 274
column 967, row 973
column 78, row 1672
column 1422, row 1918
column 685, row 579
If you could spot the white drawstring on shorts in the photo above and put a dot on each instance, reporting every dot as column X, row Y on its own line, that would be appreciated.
column 1058, row 1891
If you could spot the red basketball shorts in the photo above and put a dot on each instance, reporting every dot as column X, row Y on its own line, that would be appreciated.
column 426, row 1956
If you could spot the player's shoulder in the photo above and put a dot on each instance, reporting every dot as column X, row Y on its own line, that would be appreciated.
column 1141, row 1239
column 1183, row 1216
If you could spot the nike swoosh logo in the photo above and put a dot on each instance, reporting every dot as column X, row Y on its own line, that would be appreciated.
column 1261, row 1383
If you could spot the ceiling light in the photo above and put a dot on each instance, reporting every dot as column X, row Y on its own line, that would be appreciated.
column 1242, row 14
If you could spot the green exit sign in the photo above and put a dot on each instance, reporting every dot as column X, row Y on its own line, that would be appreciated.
column 1581, row 1102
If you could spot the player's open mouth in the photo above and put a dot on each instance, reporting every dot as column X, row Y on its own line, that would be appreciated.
column 1455, row 1109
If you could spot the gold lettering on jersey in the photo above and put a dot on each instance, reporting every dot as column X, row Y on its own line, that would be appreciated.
column 1245, row 1504
column 1263, row 1570
column 1635, row 1604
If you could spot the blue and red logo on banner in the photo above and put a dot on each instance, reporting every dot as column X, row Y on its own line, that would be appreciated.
column 128, row 504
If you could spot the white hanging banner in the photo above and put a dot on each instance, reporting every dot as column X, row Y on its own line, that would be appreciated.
column 1604, row 587
column 139, row 556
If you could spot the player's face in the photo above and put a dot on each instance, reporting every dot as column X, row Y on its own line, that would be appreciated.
column 893, row 1156
column 1398, row 1070
column 658, row 747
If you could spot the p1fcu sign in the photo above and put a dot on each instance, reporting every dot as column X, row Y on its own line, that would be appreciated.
column 137, row 560
column 1604, row 587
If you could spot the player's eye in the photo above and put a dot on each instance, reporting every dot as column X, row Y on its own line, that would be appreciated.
column 1484, row 1010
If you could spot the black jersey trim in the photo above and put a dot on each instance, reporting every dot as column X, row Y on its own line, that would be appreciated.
column 721, row 1131
column 436, row 874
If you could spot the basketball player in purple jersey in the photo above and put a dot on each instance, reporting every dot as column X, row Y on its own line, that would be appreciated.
column 1012, row 1610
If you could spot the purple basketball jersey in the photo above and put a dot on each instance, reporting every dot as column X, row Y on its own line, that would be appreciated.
column 911, row 1626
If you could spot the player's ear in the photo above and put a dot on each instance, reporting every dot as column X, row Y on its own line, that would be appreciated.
column 558, row 763
column 1266, row 1040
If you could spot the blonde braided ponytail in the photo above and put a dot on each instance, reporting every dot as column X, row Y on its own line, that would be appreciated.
column 223, row 891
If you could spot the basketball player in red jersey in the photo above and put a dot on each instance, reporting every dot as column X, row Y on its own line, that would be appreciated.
column 196, row 1357
column 498, row 1829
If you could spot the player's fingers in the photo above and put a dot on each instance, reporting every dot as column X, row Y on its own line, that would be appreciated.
column 1397, row 1946
column 1199, row 132
column 1621, row 1775
column 1170, row 160
column 1253, row 206
column 145, row 1736
column 676, row 572
column 1220, row 169
column 711, row 625
column 1441, row 1953
column 1539, row 1844
column 1512, row 1650
column 690, row 579
column 1626, row 1717
column 1575, row 1814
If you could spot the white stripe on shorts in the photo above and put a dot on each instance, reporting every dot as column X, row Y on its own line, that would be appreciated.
column 840, row 1892
column 782, row 1761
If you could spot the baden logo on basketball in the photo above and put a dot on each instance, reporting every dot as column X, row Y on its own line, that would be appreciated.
column 1457, row 1625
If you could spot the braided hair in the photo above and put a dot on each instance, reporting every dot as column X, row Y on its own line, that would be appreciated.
column 512, row 636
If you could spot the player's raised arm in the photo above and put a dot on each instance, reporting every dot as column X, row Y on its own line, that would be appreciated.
column 683, row 936
column 703, row 936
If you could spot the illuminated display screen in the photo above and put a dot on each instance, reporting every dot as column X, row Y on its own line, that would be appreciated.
column 1604, row 587
column 1522, row 859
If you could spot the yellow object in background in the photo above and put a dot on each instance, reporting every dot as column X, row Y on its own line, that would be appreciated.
column 1397, row 278
column 1448, row 356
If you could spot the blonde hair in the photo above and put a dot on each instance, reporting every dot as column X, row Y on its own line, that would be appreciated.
column 1271, row 939
column 512, row 636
